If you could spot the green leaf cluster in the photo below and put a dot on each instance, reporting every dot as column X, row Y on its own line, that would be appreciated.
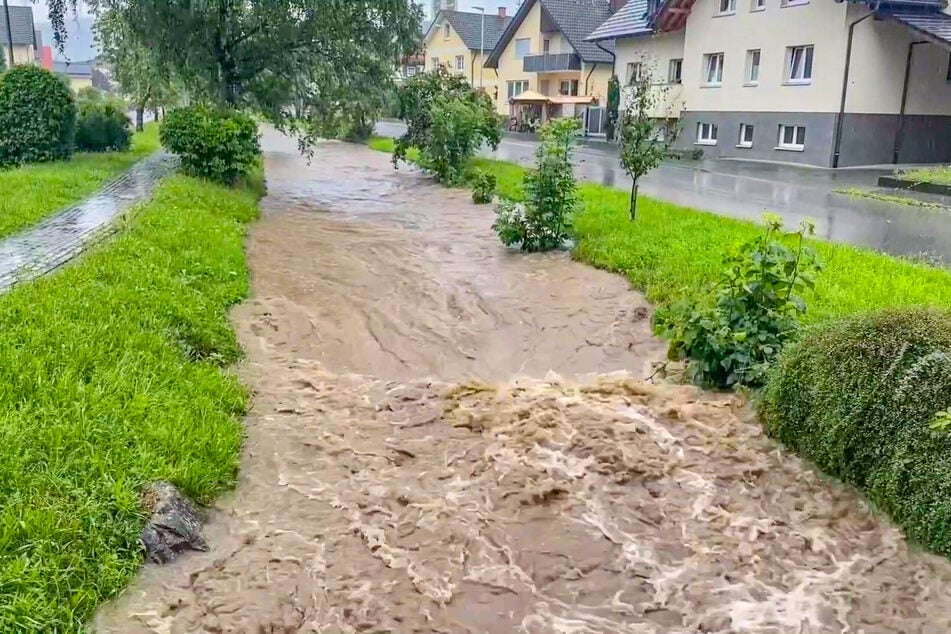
column 102, row 126
column 220, row 145
column 447, row 121
column 543, row 222
column 733, row 337
column 859, row 398
column 483, row 186
column 37, row 117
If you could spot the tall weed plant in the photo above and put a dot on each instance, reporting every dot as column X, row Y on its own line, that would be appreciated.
column 732, row 337
column 543, row 221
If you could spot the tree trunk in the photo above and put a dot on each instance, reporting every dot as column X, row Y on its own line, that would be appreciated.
column 155, row 113
column 140, row 118
column 633, row 206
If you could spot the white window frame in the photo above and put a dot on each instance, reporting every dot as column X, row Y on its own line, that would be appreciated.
column 725, row 7
column 713, row 62
column 751, row 54
column 742, row 141
column 795, row 146
column 678, row 78
column 631, row 75
column 445, row 31
column 410, row 71
column 435, row 62
column 460, row 62
column 510, row 87
column 793, row 3
column 757, row 5
column 706, row 133
column 526, row 53
column 572, row 85
column 546, row 46
column 805, row 54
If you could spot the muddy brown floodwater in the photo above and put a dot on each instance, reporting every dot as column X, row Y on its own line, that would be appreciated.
column 449, row 437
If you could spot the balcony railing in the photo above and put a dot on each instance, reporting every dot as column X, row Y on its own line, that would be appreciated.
column 551, row 62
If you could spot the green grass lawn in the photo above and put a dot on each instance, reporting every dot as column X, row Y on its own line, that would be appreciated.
column 32, row 192
column 671, row 251
column 939, row 175
column 112, row 375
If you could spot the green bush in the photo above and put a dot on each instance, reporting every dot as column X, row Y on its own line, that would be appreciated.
column 483, row 187
column 37, row 116
column 733, row 337
column 103, row 125
column 447, row 121
column 220, row 145
column 543, row 222
column 864, row 399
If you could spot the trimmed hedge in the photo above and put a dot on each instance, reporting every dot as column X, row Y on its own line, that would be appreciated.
column 103, row 126
column 857, row 397
column 220, row 145
column 37, row 116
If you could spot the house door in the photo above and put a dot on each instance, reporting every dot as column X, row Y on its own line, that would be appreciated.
column 594, row 120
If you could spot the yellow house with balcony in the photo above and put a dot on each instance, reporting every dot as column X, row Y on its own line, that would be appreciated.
column 460, row 41
column 546, row 69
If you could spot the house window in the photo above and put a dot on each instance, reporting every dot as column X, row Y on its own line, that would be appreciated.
column 410, row 71
column 757, row 5
column 713, row 69
column 752, row 67
column 515, row 88
column 794, row 3
column 726, row 7
column 746, row 135
column 460, row 62
column 675, row 71
column 799, row 64
column 706, row 134
column 635, row 72
column 546, row 46
column 445, row 31
column 523, row 47
column 568, row 87
column 792, row 137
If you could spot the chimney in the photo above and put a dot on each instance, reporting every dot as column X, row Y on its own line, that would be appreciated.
column 503, row 12
column 616, row 5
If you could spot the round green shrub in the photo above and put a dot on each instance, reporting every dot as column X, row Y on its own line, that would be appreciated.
column 103, row 126
column 37, row 116
column 859, row 398
column 219, row 145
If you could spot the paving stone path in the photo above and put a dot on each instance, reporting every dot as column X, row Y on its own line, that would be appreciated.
column 59, row 238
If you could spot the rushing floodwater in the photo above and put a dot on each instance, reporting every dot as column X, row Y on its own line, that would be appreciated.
column 414, row 464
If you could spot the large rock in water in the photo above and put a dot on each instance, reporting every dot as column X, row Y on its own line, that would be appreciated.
column 174, row 526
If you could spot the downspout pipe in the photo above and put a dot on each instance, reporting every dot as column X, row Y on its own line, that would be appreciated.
column 837, row 145
column 899, row 133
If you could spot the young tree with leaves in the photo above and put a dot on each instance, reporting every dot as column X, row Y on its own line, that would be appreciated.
column 644, row 144
column 284, row 59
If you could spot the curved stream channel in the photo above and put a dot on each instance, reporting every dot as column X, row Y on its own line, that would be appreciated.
column 450, row 437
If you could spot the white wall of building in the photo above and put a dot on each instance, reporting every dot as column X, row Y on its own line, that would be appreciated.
column 658, row 50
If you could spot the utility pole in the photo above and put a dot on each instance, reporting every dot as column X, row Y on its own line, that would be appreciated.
column 6, row 13
column 481, row 45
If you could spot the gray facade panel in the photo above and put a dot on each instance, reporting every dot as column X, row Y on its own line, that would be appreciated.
column 820, row 132
column 926, row 139
column 867, row 139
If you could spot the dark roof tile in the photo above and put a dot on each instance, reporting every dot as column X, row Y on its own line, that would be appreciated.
column 632, row 19
column 469, row 28
column 21, row 25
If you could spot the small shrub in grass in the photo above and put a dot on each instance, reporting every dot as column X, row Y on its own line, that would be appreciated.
column 754, row 312
column 543, row 222
column 102, row 126
column 220, row 145
column 37, row 116
column 866, row 399
column 483, row 187
column 447, row 121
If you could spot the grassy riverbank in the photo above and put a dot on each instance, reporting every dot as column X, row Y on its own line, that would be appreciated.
column 937, row 175
column 32, row 192
column 112, row 375
column 673, row 251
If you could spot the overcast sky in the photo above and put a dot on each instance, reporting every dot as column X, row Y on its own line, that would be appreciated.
column 491, row 6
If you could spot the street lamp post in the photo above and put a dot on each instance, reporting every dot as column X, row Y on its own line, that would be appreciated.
column 481, row 44
column 6, row 14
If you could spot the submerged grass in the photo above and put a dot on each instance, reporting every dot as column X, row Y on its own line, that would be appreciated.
column 671, row 252
column 30, row 193
column 111, row 376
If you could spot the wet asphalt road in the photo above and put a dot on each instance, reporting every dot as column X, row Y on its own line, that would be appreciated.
column 746, row 190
